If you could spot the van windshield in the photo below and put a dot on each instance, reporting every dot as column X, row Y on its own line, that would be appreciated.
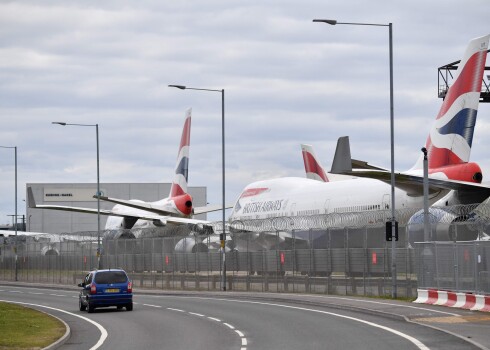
column 107, row 277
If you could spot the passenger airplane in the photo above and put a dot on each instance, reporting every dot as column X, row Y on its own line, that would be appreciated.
column 449, row 144
column 176, row 209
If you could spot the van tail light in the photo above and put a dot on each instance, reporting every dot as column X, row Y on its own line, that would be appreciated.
column 130, row 287
column 93, row 289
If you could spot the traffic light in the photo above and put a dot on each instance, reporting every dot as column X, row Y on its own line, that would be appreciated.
column 388, row 231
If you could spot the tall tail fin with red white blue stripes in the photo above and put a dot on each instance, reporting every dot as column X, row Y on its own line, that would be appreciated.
column 313, row 168
column 450, row 139
column 179, row 183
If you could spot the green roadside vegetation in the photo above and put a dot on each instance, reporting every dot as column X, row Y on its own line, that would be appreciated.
column 24, row 328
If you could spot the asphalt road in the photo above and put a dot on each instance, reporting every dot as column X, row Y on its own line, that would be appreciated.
column 234, row 321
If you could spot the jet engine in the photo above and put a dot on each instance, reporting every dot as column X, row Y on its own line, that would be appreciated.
column 49, row 250
column 445, row 225
column 190, row 245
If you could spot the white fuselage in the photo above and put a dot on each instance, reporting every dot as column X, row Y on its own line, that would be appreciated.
column 291, row 196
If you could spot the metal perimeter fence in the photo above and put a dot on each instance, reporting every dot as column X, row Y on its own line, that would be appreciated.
column 339, row 253
column 461, row 266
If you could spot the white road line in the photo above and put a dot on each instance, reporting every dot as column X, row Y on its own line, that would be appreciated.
column 16, row 291
column 36, row 293
column 413, row 340
column 103, row 332
column 152, row 305
column 244, row 340
column 397, row 305
column 178, row 310
column 195, row 314
column 58, row 295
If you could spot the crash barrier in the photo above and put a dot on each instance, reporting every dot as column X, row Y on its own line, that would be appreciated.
column 454, row 266
column 474, row 302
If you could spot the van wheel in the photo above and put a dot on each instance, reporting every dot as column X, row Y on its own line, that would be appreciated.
column 129, row 307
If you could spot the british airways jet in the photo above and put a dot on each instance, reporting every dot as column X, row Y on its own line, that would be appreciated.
column 452, row 177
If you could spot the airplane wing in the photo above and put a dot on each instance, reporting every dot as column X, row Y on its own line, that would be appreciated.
column 343, row 161
column 413, row 184
column 149, row 207
column 163, row 219
column 210, row 208
column 360, row 164
column 32, row 204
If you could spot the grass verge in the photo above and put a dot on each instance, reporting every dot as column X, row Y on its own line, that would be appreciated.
column 24, row 328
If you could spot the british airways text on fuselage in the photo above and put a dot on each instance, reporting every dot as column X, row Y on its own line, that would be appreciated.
column 260, row 207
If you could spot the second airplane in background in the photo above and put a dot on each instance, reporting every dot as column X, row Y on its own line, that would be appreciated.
column 176, row 209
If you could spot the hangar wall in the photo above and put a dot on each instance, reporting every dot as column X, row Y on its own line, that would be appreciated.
column 80, row 195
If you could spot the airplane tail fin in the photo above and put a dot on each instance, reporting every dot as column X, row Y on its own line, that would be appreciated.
column 313, row 168
column 342, row 161
column 450, row 139
column 179, row 183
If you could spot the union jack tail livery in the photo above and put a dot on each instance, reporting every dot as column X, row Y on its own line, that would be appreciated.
column 313, row 168
column 178, row 190
column 179, row 183
column 450, row 139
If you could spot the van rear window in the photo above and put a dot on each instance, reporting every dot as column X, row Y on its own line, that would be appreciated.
column 107, row 277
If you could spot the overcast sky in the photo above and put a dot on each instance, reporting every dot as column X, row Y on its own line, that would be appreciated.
column 287, row 81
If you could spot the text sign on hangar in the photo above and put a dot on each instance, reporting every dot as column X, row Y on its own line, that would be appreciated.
column 70, row 194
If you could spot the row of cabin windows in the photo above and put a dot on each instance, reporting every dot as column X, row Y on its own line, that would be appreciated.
column 357, row 208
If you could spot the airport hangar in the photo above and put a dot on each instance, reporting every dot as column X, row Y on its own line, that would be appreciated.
column 81, row 195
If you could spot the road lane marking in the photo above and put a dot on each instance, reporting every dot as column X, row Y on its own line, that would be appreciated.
column 178, row 310
column 152, row 305
column 103, row 332
column 58, row 295
column 196, row 314
column 240, row 334
column 413, row 340
column 16, row 291
column 391, row 304
column 228, row 325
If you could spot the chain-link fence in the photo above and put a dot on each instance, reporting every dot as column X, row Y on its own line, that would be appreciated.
column 338, row 253
column 458, row 267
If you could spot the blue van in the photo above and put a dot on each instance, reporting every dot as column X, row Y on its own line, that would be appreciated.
column 103, row 288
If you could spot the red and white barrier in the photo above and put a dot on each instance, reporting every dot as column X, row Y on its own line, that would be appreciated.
column 451, row 299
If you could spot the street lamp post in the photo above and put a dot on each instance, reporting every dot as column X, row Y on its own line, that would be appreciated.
column 393, row 220
column 15, row 201
column 99, row 252
column 223, row 234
